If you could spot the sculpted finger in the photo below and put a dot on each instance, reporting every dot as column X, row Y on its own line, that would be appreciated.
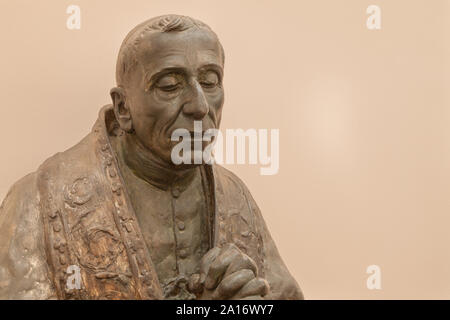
column 208, row 258
column 232, row 283
column 255, row 287
column 244, row 262
column 219, row 266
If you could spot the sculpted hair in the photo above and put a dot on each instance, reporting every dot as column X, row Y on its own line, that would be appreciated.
column 127, row 59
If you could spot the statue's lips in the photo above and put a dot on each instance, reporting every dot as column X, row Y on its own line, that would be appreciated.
column 196, row 135
column 195, row 139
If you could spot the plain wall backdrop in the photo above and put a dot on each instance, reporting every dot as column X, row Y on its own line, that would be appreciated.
column 363, row 115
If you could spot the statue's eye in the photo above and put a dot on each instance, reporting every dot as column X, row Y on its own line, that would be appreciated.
column 168, row 83
column 209, row 80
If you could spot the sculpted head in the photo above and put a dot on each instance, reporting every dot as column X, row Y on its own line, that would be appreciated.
column 169, row 73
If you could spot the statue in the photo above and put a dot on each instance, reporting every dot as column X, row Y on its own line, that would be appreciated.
column 114, row 209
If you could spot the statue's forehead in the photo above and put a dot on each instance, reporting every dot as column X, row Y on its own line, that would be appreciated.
column 164, row 48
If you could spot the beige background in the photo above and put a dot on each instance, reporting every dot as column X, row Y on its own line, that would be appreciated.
column 363, row 115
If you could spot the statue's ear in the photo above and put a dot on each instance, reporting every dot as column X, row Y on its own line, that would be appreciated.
column 121, row 109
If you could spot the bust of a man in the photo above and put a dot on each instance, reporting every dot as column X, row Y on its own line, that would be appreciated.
column 115, row 218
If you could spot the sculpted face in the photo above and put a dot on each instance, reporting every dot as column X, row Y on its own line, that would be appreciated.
column 179, row 80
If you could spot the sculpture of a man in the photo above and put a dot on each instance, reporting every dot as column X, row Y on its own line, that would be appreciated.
column 116, row 211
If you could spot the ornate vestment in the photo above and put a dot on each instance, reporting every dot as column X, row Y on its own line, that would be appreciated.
column 75, row 211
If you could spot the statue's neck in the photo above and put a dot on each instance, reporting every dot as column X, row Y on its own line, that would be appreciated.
column 147, row 166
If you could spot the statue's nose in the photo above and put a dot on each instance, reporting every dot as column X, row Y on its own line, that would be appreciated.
column 197, row 106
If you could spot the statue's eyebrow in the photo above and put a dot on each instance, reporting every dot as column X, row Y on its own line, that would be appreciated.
column 151, row 77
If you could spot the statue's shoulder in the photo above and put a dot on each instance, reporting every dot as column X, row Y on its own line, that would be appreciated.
column 25, row 188
column 78, row 154
column 226, row 177
column 23, row 196
column 232, row 185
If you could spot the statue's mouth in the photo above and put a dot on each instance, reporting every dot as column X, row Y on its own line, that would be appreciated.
column 195, row 138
